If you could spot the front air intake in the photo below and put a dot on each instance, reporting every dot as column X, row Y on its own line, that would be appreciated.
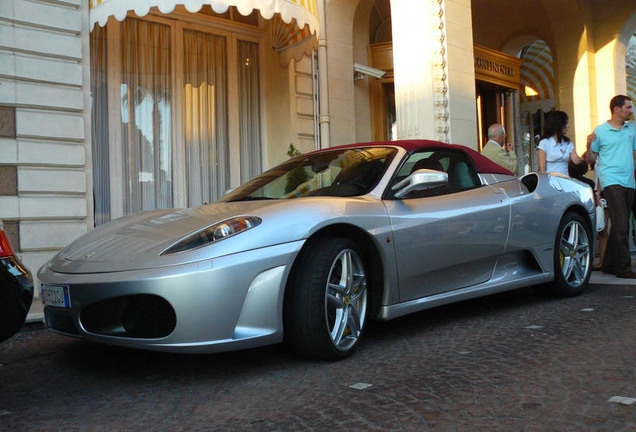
column 141, row 316
column 148, row 317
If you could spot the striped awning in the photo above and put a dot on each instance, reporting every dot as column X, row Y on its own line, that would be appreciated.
column 294, row 23
column 537, row 72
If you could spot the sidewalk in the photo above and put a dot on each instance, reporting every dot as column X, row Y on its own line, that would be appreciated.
column 36, row 313
column 600, row 278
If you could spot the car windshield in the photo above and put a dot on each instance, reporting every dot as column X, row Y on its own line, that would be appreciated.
column 338, row 173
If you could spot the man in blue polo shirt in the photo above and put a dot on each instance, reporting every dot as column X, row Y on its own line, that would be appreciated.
column 615, row 148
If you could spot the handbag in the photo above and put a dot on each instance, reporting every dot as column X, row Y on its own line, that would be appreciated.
column 600, row 208
column 600, row 218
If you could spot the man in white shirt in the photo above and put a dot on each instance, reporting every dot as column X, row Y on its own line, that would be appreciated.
column 498, row 150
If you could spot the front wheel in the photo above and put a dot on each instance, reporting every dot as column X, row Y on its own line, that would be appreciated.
column 326, row 299
column 572, row 256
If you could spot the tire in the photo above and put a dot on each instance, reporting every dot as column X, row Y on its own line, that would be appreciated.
column 325, row 309
column 572, row 256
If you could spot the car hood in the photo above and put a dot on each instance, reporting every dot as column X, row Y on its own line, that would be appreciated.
column 136, row 242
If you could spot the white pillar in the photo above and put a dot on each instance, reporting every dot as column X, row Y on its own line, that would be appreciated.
column 414, row 46
column 324, row 118
column 434, row 70
column 460, row 70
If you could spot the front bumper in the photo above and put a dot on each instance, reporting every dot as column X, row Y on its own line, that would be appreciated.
column 227, row 303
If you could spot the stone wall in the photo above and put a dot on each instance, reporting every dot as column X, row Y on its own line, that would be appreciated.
column 44, row 118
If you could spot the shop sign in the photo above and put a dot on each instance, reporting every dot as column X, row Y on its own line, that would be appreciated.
column 497, row 68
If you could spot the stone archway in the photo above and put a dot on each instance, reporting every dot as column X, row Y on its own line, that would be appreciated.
column 361, row 41
column 537, row 94
column 537, row 75
column 630, row 67
column 626, row 68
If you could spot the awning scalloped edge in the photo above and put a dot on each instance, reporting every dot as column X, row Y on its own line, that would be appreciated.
column 289, row 10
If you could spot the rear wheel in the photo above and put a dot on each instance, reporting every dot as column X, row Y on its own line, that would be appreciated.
column 326, row 300
column 572, row 256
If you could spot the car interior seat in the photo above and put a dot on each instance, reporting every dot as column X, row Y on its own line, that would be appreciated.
column 428, row 163
column 363, row 175
column 459, row 177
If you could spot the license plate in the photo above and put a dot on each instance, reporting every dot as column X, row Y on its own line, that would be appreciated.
column 57, row 296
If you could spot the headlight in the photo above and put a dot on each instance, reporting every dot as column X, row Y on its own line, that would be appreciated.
column 214, row 233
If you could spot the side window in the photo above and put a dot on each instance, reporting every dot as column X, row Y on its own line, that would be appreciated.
column 462, row 174
column 461, row 171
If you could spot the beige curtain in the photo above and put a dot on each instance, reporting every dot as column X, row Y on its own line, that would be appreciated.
column 249, row 109
column 205, row 116
column 146, row 107
column 146, row 95
column 99, row 126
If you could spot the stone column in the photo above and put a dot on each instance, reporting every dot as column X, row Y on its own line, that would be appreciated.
column 432, row 50
column 415, row 44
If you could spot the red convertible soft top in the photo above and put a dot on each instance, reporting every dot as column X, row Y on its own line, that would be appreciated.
column 482, row 163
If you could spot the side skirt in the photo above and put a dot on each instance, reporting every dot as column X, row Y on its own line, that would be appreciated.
column 487, row 288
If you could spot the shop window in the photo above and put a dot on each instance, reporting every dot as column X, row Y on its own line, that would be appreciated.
column 146, row 103
column 99, row 126
column 162, row 124
column 249, row 109
column 205, row 111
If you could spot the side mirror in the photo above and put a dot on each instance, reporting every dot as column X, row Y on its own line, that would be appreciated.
column 420, row 180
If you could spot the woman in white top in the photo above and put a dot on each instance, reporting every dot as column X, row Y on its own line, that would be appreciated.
column 555, row 149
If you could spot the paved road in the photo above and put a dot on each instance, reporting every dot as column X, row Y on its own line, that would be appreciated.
column 511, row 362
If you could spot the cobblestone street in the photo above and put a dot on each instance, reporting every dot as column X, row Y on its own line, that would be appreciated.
column 512, row 362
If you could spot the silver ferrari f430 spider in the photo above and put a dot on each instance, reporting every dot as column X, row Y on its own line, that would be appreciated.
column 312, row 249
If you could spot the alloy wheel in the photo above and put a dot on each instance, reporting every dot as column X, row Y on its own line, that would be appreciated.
column 574, row 253
column 346, row 299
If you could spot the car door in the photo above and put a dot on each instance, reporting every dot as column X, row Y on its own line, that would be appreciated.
column 449, row 237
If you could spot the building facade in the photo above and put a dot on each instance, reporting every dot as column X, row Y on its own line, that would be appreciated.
column 113, row 107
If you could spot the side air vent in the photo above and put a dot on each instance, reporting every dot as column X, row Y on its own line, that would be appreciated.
column 530, row 181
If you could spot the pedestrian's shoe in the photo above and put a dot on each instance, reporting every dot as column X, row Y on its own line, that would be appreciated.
column 627, row 275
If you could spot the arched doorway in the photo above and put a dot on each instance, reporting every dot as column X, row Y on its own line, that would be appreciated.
column 537, row 96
